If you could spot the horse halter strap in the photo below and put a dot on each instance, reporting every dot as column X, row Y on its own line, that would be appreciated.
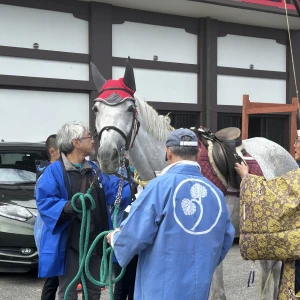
column 135, row 125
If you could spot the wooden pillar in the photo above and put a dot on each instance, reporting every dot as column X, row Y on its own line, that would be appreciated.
column 245, row 117
column 100, row 42
column 211, row 74
column 293, row 127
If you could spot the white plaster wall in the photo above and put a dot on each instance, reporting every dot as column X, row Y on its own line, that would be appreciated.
column 58, row 31
column 143, row 41
column 33, row 115
column 241, row 51
column 232, row 88
column 43, row 68
column 163, row 86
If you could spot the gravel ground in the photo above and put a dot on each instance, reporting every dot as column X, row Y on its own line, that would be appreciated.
column 28, row 286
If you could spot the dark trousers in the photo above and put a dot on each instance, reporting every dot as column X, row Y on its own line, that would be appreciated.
column 125, row 286
column 93, row 290
column 50, row 288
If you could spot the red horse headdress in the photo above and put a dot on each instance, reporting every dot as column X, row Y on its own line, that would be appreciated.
column 114, row 92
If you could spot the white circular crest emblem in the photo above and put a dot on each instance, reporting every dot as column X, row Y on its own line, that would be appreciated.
column 189, row 212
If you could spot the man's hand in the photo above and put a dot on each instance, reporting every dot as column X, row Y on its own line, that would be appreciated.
column 241, row 169
column 87, row 201
column 110, row 236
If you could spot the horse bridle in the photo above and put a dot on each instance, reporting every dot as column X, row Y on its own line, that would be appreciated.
column 135, row 125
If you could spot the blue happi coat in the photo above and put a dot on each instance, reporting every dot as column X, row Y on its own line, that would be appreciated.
column 181, row 229
column 51, row 197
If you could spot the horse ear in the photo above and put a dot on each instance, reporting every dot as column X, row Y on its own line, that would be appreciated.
column 129, row 75
column 98, row 79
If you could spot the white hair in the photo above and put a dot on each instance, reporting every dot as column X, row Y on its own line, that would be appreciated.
column 68, row 132
column 156, row 125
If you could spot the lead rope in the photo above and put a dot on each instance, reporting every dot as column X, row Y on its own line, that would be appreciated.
column 106, row 272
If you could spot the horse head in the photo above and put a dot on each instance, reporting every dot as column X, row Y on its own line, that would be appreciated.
column 116, row 117
column 126, row 123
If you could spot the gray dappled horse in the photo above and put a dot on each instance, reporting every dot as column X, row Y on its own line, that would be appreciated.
column 126, row 123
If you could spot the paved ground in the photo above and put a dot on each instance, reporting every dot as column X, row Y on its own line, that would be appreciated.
column 236, row 272
column 28, row 286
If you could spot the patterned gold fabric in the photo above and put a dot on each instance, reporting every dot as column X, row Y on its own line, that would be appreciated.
column 270, row 217
column 287, row 282
column 270, row 224
column 138, row 179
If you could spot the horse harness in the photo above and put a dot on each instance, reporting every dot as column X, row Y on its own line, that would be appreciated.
column 114, row 100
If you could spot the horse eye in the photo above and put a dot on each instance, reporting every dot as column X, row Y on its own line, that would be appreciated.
column 95, row 133
column 130, row 108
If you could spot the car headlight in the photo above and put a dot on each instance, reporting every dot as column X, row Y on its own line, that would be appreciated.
column 15, row 212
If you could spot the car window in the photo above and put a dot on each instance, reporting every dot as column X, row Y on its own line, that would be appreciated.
column 13, row 175
column 19, row 166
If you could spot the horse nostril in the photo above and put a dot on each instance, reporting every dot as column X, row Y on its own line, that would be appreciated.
column 115, row 154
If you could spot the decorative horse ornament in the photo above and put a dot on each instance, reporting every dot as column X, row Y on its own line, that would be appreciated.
column 127, row 123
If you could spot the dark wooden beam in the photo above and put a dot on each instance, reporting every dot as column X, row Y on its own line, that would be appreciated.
column 166, row 106
column 45, row 83
column 156, row 65
column 44, row 54
column 251, row 73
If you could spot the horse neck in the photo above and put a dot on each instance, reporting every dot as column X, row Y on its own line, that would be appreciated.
column 147, row 155
column 148, row 152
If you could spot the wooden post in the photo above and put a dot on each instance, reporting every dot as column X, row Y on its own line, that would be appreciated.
column 293, row 127
column 245, row 117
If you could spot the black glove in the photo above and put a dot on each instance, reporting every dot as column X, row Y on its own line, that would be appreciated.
column 87, row 201
column 68, row 209
column 67, row 212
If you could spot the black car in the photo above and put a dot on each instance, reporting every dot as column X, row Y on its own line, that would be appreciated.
column 18, row 210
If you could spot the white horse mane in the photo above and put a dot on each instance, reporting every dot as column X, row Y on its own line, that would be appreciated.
column 156, row 125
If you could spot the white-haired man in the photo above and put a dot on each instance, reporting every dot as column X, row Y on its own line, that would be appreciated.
column 179, row 226
column 59, row 244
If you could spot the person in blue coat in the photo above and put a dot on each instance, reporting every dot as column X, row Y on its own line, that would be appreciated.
column 59, row 242
column 179, row 226
column 51, row 283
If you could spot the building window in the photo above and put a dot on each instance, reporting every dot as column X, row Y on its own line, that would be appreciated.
column 272, row 127
column 182, row 120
